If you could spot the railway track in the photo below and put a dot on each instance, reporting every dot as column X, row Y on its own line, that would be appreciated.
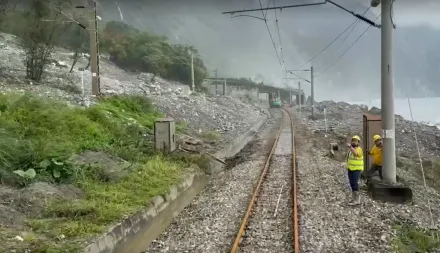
column 270, row 223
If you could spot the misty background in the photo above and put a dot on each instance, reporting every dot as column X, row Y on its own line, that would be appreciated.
column 241, row 47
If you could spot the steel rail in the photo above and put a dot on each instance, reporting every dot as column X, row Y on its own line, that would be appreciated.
column 257, row 189
column 294, row 192
column 244, row 223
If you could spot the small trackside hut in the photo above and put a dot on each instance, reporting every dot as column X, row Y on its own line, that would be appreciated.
column 398, row 193
column 165, row 135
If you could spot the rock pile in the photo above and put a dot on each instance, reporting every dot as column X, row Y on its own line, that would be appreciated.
column 344, row 120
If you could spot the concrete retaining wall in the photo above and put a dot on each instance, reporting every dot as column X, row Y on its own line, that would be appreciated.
column 135, row 233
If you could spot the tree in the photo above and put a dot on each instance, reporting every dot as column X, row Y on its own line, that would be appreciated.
column 39, row 38
column 259, row 78
column 5, row 7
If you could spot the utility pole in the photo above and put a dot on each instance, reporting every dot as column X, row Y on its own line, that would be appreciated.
column 216, row 87
column 312, row 90
column 290, row 96
column 224, row 88
column 312, row 86
column 300, row 95
column 94, row 53
column 192, row 72
column 387, row 92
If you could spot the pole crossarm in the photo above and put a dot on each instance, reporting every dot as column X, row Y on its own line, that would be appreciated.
column 274, row 8
column 298, row 70
column 299, row 77
column 249, row 16
column 366, row 20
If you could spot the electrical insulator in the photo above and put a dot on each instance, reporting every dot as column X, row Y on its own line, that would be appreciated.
column 375, row 3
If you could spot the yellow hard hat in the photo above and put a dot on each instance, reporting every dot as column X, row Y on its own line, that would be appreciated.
column 376, row 137
column 356, row 138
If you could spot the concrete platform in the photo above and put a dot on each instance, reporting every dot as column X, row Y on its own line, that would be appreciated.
column 284, row 146
column 396, row 193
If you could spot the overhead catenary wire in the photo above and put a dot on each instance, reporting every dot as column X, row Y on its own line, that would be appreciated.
column 271, row 38
column 345, row 52
column 354, row 23
column 279, row 35
column 421, row 163
column 357, row 22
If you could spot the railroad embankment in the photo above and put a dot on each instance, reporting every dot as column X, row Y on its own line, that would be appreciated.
column 328, row 224
column 70, row 173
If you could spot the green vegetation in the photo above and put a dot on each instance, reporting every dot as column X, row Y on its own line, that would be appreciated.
column 411, row 239
column 142, row 51
column 211, row 135
column 38, row 137
column 45, row 130
column 106, row 203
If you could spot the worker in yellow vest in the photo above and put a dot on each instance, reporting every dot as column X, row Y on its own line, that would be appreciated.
column 355, row 166
column 376, row 153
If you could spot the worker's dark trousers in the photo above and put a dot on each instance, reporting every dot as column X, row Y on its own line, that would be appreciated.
column 373, row 169
column 353, row 177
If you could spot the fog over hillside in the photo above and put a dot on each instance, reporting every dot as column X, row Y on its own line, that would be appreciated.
column 242, row 46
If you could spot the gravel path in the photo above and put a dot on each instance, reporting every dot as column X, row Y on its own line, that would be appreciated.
column 327, row 223
column 211, row 221
column 270, row 226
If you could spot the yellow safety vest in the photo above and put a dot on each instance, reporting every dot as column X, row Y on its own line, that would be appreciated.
column 355, row 163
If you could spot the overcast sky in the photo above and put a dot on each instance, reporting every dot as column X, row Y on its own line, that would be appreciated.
column 242, row 47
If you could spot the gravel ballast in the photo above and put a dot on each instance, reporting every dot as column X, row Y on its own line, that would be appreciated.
column 327, row 222
column 211, row 221
column 270, row 226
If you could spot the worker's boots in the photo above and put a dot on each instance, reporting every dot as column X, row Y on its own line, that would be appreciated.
column 356, row 199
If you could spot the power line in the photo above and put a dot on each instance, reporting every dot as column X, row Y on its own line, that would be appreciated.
column 348, row 35
column 271, row 38
column 342, row 55
column 279, row 35
column 334, row 40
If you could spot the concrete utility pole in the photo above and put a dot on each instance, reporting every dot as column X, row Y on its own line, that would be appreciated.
column 312, row 86
column 290, row 96
column 94, row 53
column 224, row 88
column 192, row 72
column 312, row 90
column 216, row 86
column 387, row 92
column 300, row 95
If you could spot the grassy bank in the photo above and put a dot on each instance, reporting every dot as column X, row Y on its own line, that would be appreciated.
column 409, row 239
column 39, row 140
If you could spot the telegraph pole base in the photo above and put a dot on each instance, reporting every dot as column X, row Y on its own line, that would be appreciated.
column 393, row 193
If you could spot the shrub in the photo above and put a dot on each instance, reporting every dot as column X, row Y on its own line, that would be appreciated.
column 413, row 239
column 39, row 37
